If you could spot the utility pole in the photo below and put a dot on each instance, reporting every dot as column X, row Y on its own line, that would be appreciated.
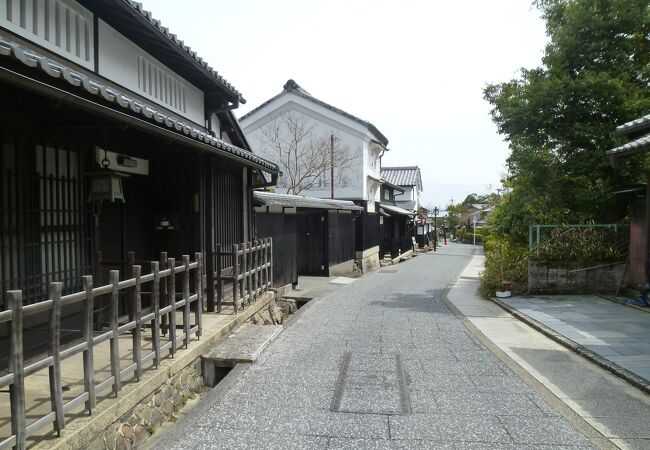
column 332, row 165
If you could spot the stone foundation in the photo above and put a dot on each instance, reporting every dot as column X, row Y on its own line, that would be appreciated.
column 276, row 313
column 134, row 428
column 548, row 278
column 367, row 260
column 344, row 269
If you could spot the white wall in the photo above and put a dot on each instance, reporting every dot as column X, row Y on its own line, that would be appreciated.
column 123, row 62
column 354, row 181
column 61, row 26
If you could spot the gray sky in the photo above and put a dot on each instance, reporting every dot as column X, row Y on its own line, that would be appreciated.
column 415, row 69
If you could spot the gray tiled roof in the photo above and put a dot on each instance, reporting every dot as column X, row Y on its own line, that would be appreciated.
column 639, row 124
column 403, row 176
column 396, row 209
column 262, row 198
column 100, row 89
column 137, row 7
column 635, row 146
column 292, row 86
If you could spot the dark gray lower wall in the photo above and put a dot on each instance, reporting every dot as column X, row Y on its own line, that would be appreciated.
column 549, row 278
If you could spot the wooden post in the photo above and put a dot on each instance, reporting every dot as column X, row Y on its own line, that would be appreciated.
column 271, row 261
column 155, row 299
column 210, row 237
column 115, row 338
column 251, row 272
column 250, row 262
column 258, row 270
column 137, row 331
column 198, row 313
column 235, row 276
column 97, row 271
column 163, row 291
column 171, row 300
column 244, row 270
column 88, row 360
column 54, row 350
column 267, row 260
column 186, row 297
column 219, row 279
column 130, row 262
column 17, row 368
column 209, row 267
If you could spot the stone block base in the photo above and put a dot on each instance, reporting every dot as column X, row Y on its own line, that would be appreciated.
column 368, row 260
column 573, row 278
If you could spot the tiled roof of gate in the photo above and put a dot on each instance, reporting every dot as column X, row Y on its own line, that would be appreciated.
column 298, row 201
column 403, row 176
column 292, row 86
column 396, row 209
column 98, row 88
column 634, row 125
column 136, row 6
column 635, row 146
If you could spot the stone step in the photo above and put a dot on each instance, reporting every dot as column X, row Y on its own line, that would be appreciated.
column 243, row 346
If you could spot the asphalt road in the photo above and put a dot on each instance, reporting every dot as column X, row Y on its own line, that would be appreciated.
column 380, row 363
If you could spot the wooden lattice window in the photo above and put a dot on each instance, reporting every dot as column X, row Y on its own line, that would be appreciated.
column 42, row 218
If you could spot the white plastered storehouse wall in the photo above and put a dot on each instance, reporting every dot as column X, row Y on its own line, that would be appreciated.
column 359, row 182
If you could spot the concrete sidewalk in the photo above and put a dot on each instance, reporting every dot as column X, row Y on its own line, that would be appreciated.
column 601, row 405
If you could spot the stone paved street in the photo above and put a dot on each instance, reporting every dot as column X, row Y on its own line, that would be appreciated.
column 379, row 363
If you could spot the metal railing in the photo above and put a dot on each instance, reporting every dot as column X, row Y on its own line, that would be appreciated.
column 159, row 280
column 250, row 275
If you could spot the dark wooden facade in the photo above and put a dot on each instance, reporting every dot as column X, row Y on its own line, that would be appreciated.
column 309, row 240
column 282, row 228
column 50, row 231
column 395, row 226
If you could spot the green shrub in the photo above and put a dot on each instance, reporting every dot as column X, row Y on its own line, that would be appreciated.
column 504, row 261
column 585, row 245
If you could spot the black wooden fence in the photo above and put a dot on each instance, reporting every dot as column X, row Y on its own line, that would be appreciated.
column 282, row 229
column 341, row 237
column 179, row 301
column 250, row 275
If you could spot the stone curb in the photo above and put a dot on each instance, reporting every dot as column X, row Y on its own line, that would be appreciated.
column 81, row 432
column 630, row 377
column 609, row 299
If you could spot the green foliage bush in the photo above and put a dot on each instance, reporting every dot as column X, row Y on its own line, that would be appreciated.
column 584, row 245
column 504, row 261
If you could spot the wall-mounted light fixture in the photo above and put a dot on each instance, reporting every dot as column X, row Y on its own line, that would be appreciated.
column 105, row 185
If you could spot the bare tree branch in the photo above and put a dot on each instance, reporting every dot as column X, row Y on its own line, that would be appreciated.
column 306, row 159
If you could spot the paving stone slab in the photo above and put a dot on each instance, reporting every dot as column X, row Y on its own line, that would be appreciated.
column 215, row 439
column 446, row 427
column 245, row 344
column 544, row 430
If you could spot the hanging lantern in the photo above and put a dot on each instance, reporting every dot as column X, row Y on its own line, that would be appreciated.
column 106, row 185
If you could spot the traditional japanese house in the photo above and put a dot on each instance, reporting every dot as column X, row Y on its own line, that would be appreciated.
column 333, row 154
column 395, row 223
column 115, row 138
column 409, row 179
column 312, row 236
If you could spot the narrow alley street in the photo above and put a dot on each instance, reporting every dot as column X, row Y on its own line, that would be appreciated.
column 380, row 363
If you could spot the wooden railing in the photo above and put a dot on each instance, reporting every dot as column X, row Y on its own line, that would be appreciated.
column 160, row 280
column 250, row 275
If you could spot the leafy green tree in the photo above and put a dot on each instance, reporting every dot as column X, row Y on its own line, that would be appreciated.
column 559, row 118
